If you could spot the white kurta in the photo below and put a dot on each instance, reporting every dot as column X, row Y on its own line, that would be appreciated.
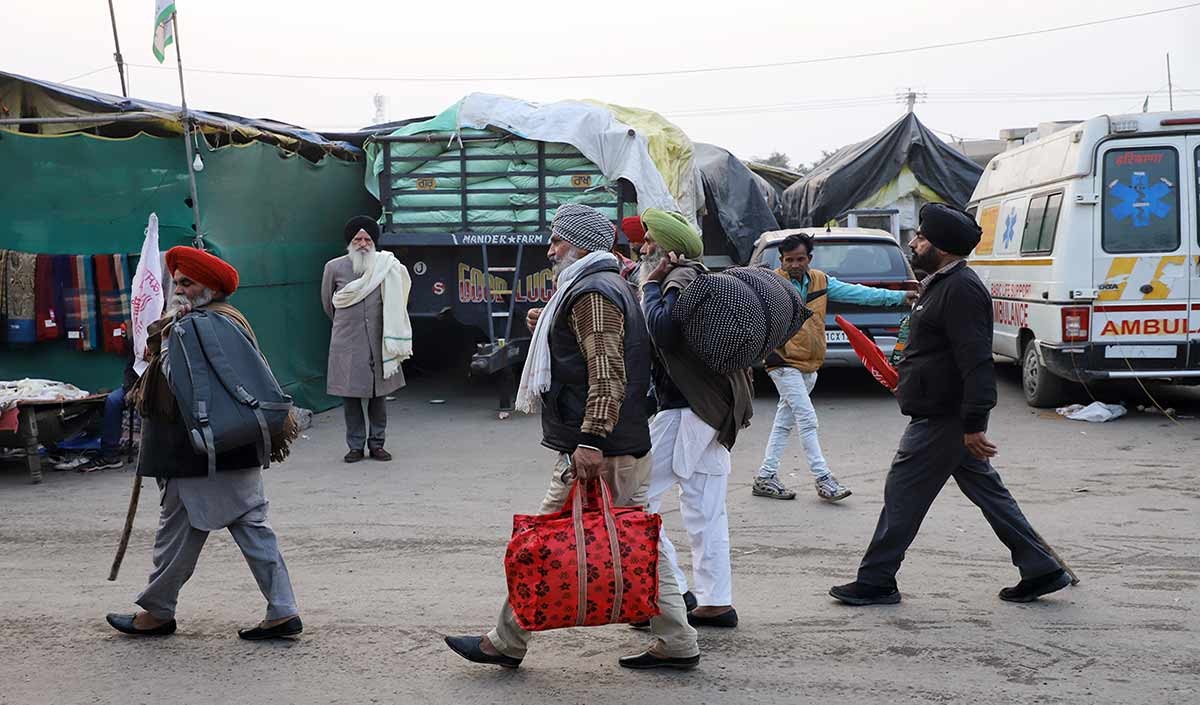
column 686, row 453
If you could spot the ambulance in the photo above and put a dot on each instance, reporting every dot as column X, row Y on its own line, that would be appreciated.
column 1091, row 250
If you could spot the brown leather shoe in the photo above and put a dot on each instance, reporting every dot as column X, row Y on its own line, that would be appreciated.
column 380, row 454
column 353, row 456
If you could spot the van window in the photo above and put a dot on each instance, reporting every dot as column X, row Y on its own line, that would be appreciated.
column 1141, row 200
column 1040, row 224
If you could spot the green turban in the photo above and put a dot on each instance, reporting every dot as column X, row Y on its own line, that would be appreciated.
column 672, row 233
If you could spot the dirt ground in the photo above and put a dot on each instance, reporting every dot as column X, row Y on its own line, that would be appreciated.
column 387, row 558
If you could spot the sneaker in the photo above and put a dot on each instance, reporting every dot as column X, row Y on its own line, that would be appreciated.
column 830, row 490
column 771, row 487
column 101, row 463
column 72, row 463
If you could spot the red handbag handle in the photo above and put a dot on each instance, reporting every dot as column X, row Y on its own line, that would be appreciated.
column 614, row 545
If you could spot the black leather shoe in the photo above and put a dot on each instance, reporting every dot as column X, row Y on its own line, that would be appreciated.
column 689, row 604
column 725, row 620
column 648, row 659
column 124, row 624
column 380, row 454
column 1033, row 588
column 469, row 648
column 354, row 456
column 292, row 627
column 859, row 594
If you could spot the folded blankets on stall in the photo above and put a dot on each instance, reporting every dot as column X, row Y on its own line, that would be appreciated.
column 79, row 303
column 20, row 390
column 47, row 301
column 112, row 287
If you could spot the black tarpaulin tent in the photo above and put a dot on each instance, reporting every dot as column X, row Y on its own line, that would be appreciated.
column 902, row 167
column 737, row 205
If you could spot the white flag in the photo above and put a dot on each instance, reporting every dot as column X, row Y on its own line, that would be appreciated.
column 147, row 300
column 164, row 30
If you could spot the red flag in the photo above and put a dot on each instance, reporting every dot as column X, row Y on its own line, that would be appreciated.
column 870, row 354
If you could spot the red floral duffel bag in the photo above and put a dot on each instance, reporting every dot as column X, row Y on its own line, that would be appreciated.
column 583, row 566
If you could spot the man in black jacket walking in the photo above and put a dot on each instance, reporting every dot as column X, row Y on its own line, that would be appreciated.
column 948, row 387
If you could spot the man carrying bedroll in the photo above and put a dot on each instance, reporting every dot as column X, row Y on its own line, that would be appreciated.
column 948, row 388
column 192, row 503
column 699, row 416
column 793, row 368
column 588, row 372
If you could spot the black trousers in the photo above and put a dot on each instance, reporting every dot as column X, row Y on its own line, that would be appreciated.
column 932, row 451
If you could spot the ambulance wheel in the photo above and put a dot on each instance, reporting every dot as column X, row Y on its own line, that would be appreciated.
column 1043, row 388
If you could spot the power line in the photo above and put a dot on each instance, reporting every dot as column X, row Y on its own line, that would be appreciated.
column 682, row 72
column 89, row 73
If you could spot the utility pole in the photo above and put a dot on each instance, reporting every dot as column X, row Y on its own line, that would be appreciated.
column 910, row 98
column 112, row 15
column 198, row 240
column 1170, row 86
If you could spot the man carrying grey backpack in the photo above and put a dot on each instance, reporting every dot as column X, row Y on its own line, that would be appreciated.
column 203, row 492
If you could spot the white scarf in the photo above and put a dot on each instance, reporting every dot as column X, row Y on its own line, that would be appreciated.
column 385, row 270
column 535, row 377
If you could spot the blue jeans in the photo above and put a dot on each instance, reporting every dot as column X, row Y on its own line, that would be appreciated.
column 795, row 412
column 110, row 427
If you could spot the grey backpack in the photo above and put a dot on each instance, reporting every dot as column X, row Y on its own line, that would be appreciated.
column 225, row 390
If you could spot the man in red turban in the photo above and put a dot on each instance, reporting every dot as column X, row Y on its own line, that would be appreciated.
column 193, row 503
column 197, row 267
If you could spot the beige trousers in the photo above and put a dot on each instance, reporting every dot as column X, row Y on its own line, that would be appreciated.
column 629, row 479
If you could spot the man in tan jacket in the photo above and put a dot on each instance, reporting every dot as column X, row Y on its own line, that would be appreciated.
column 793, row 368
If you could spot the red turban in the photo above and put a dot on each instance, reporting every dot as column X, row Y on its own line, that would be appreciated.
column 633, row 228
column 203, row 268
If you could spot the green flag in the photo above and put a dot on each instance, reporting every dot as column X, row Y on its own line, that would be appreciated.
column 164, row 30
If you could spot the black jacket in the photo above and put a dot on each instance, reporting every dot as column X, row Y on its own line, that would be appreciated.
column 947, row 365
column 564, row 403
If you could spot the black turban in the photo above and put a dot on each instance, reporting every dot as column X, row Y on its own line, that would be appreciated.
column 949, row 229
column 362, row 222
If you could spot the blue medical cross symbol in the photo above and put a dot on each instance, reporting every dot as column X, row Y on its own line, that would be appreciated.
column 1140, row 200
column 1010, row 225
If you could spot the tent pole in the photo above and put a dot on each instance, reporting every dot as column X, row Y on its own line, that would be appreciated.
column 112, row 15
column 198, row 241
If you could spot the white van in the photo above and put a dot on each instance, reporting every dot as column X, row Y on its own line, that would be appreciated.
column 1091, row 250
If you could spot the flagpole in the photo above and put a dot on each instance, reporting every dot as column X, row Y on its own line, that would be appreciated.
column 117, row 42
column 198, row 241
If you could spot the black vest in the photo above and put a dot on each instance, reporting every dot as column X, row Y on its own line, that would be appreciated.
column 563, row 404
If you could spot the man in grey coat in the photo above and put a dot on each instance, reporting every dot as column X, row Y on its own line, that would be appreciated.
column 356, row 367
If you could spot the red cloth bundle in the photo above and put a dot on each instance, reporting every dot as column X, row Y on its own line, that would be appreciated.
column 870, row 354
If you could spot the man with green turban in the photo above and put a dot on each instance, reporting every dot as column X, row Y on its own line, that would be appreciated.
column 699, row 415
column 671, row 232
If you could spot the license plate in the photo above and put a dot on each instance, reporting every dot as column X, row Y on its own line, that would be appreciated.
column 1144, row 352
column 836, row 336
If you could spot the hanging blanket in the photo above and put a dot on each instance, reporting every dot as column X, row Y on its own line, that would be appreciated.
column 112, row 288
column 3, row 289
column 79, row 304
column 19, row 283
column 46, row 301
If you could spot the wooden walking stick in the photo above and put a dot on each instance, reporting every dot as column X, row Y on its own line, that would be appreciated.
column 133, row 504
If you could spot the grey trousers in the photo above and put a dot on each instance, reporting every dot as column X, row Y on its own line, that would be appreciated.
column 356, row 425
column 629, row 479
column 177, row 546
column 932, row 451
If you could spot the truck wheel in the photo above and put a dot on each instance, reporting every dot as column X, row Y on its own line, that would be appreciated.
column 1043, row 388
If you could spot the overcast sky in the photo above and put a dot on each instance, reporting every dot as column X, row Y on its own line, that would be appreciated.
column 969, row 91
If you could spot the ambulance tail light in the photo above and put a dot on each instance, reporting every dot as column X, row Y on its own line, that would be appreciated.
column 1175, row 122
column 1076, row 324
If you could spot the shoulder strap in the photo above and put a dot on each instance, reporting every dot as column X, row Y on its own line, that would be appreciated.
column 201, row 386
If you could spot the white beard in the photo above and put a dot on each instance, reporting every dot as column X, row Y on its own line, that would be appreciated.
column 647, row 264
column 566, row 261
column 359, row 258
column 178, row 301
